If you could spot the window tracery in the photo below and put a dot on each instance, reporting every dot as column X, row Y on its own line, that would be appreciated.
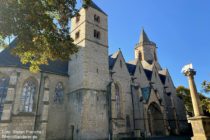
column 4, row 82
column 59, row 92
column 27, row 97
column 117, row 94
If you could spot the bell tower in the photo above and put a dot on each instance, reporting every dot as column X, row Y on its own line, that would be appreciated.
column 89, row 75
column 145, row 50
column 89, row 66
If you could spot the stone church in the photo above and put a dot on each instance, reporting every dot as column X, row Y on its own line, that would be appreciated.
column 94, row 96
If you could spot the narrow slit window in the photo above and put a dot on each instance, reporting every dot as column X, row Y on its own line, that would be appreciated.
column 77, row 35
column 120, row 63
column 96, row 18
column 97, row 34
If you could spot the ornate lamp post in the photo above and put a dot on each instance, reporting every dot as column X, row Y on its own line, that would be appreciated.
column 200, row 124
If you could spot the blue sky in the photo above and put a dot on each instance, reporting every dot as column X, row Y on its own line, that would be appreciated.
column 180, row 28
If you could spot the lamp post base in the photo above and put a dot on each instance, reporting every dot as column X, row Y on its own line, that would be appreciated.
column 200, row 127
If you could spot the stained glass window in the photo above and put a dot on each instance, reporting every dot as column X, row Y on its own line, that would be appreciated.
column 59, row 91
column 27, row 97
column 4, row 82
column 146, row 93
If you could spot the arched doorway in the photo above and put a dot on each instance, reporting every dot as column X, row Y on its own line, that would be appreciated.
column 155, row 120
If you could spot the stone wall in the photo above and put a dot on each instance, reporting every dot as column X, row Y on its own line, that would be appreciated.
column 14, row 119
column 87, row 114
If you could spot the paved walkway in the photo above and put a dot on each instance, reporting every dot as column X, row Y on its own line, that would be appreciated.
column 169, row 138
column 162, row 138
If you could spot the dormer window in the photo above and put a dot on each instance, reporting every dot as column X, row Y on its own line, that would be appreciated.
column 77, row 35
column 97, row 34
column 96, row 18
column 120, row 63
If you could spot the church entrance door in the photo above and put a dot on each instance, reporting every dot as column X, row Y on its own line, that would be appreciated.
column 155, row 120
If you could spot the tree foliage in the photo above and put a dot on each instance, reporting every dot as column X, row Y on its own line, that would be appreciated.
column 184, row 93
column 206, row 86
column 41, row 28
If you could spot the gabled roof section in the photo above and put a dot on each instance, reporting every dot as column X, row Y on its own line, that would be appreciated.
column 146, row 65
column 131, row 68
column 9, row 60
column 113, row 58
column 162, row 78
column 163, row 71
column 148, row 74
column 131, row 65
column 162, row 75
column 134, row 62
column 94, row 6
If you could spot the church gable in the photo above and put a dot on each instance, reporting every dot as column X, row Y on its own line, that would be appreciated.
column 141, row 75
column 157, row 84
column 155, row 76
column 112, row 59
column 169, row 81
column 120, row 66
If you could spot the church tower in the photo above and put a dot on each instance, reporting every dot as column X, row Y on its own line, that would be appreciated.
column 89, row 75
column 145, row 50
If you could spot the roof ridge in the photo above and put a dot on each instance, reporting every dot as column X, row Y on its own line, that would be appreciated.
column 93, row 5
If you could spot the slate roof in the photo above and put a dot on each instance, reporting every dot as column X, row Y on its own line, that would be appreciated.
column 111, row 62
column 113, row 58
column 9, row 60
column 143, row 37
column 144, row 40
column 131, row 68
column 162, row 78
column 148, row 74
column 93, row 5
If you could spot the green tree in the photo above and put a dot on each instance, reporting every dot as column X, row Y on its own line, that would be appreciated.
column 184, row 93
column 41, row 28
column 206, row 102
column 206, row 86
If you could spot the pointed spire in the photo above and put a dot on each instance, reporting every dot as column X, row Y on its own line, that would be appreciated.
column 143, row 37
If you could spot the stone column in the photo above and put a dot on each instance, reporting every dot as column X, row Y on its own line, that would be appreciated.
column 193, row 91
column 200, row 124
column 8, row 104
column 44, row 115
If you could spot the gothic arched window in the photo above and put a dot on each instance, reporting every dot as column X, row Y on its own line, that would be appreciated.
column 59, row 91
column 117, row 94
column 4, row 82
column 27, row 97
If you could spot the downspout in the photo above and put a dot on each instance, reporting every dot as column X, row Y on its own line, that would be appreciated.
column 109, row 108
column 109, row 99
column 37, row 105
column 143, row 112
column 131, row 86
